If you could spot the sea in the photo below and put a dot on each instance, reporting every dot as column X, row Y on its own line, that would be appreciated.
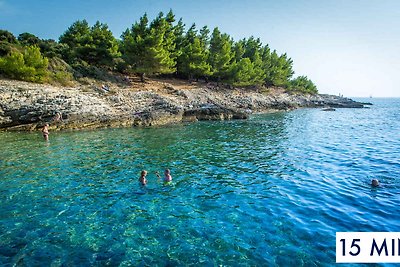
column 272, row 190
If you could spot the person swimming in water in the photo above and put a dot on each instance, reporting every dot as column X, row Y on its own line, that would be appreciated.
column 142, row 178
column 375, row 182
column 45, row 132
column 167, row 176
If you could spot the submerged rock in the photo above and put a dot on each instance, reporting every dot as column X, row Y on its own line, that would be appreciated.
column 212, row 112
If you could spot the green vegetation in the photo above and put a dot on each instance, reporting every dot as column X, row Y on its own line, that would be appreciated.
column 27, row 66
column 303, row 85
column 148, row 49
column 158, row 47
column 194, row 54
column 94, row 45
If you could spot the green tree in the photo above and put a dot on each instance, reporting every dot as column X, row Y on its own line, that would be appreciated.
column 7, row 42
column 242, row 73
column 194, row 58
column 220, row 54
column 179, row 32
column 191, row 34
column 238, row 50
column 280, row 70
column 6, row 36
column 205, row 37
column 28, row 66
column 304, row 85
column 75, row 37
column 266, row 59
column 101, row 48
column 33, row 58
column 50, row 48
column 252, row 51
column 182, row 43
column 170, row 38
column 95, row 45
column 28, row 39
column 144, row 50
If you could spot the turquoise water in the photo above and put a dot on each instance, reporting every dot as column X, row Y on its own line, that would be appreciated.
column 272, row 190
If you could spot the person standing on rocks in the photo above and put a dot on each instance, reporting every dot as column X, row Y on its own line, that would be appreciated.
column 45, row 132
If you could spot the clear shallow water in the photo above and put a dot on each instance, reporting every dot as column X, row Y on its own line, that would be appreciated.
column 272, row 190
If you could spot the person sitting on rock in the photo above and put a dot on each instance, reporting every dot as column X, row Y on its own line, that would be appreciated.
column 105, row 87
column 45, row 132
column 57, row 117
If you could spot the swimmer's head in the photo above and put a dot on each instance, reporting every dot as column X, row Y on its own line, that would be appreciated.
column 167, row 171
column 375, row 182
column 143, row 173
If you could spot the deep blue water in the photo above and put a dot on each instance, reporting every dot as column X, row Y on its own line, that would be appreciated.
column 272, row 190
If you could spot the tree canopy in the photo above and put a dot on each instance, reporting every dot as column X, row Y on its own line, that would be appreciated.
column 95, row 45
column 149, row 48
column 162, row 46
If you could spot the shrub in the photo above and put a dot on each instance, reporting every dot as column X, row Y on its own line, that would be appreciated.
column 8, row 37
column 28, row 66
column 62, row 77
column 303, row 85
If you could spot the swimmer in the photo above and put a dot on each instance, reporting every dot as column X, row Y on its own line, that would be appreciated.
column 45, row 132
column 375, row 182
column 167, row 176
column 142, row 179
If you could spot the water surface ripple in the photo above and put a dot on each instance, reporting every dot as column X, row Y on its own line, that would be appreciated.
column 272, row 190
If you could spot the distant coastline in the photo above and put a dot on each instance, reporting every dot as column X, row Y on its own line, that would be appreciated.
column 28, row 106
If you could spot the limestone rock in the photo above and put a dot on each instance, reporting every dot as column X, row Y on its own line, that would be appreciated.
column 27, row 106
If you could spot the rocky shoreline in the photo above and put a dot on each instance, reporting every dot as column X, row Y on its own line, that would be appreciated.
column 27, row 106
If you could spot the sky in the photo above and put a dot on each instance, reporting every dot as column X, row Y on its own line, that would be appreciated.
column 348, row 47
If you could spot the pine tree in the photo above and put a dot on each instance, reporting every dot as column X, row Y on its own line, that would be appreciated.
column 280, row 71
column 204, row 37
column 195, row 60
column 266, row 64
column 6, row 36
column 179, row 32
column 303, row 84
column 95, row 45
column 75, row 37
column 252, row 50
column 247, row 63
column 220, row 54
column 102, row 48
column 238, row 50
column 188, row 39
column 144, row 48
column 170, row 41
column 243, row 72
column 27, row 66
column 28, row 39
